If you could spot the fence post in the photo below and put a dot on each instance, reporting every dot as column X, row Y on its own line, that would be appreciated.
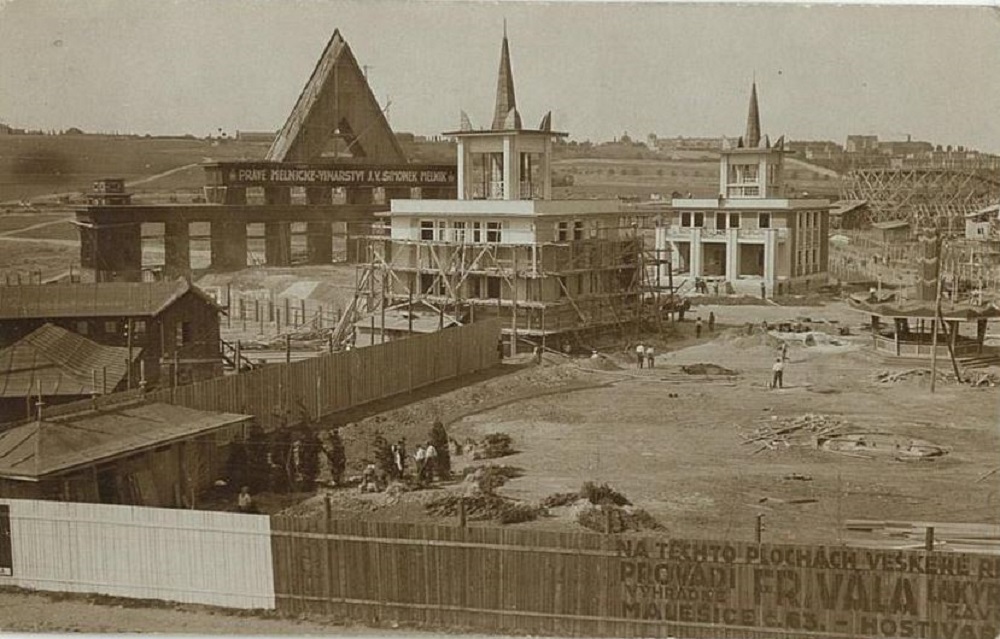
column 759, row 528
column 461, row 512
column 929, row 539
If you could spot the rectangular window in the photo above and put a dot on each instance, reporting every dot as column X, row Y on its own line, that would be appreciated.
column 111, row 327
column 562, row 231
column 441, row 231
column 83, row 328
column 699, row 220
column 734, row 220
column 139, row 328
column 494, row 232
column 720, row 221
column 178, row 334
column 477, row 232
column 460, row 232
column 493, row 288
column 577, row 230
column 426, row 230
column 764, row 220
column 686, row 219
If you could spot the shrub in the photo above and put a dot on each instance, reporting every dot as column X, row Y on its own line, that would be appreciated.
column 603, row 494
column 439, row 439
column 497, row 445
column 560, row 499
column 336, row 455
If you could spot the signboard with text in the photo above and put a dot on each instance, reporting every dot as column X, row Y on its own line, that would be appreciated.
column 826, row 591
column 329, row 176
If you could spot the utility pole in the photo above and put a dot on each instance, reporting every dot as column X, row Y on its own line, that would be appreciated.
column 937, row 316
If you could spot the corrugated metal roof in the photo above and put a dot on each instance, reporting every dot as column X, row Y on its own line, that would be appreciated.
column 34, row 450
column 53, row 361
column 107, row 299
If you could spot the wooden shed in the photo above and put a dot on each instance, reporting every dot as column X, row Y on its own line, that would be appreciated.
column 144, row 454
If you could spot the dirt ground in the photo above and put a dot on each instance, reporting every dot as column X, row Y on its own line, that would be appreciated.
column 22, row 612
column 674, row 443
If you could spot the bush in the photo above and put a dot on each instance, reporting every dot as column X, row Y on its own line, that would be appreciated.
column 560, row 499
column 492, row 477
column 517, row 512
column 497, row 445
column 383, row 455
column 439, row 439
column 603, row 495
column 336, row 456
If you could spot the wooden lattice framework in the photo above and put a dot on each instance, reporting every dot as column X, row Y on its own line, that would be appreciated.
column 922, row 196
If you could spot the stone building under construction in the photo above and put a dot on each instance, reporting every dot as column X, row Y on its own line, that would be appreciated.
column 505, row 248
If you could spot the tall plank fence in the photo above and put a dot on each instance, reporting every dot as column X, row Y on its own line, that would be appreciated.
column 211, row 558
column 584, row 584
column 334, row 382
column 499, row 580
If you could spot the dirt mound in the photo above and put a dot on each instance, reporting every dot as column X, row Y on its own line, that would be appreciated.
column 707, row 369
column 598, row 363
column 484, row 507
column 738, row 338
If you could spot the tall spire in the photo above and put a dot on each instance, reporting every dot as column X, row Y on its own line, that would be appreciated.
column 505, row 91
column 752, row 137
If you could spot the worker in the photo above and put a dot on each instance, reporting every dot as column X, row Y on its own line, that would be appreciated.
column 650, row 357
column 640, row 355
column 245, row 501
column 711, row 321
column 778, row 372
column 763, row 291
column 697, row 327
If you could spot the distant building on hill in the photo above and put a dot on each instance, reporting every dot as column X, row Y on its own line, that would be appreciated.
column 862, row 144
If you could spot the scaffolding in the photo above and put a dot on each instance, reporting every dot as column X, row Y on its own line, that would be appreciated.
column 546, row 293
column 922, row 196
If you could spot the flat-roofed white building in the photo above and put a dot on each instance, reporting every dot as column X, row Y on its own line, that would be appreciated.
column 752, row 233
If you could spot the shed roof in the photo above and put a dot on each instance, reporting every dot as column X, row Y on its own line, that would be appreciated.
column 890, row 225
column 32, row 451
column 107, row 299
column 53, row 361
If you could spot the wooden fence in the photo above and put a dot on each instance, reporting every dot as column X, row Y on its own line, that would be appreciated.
column 211, row 558
column 583, row 584
column 333, row 382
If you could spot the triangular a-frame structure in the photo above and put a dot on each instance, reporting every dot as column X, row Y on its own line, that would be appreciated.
column 337, row 104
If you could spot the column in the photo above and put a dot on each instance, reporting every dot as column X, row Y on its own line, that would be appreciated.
column 695, row 267
column 545, row 170
column 510, row 174
column 278, row 235
column 355, row 252
column 118, row 253
column 319, row 235
column 464, row 171
column 229, row 245
column 770, row 258
column 732, row 254
column 176, row 250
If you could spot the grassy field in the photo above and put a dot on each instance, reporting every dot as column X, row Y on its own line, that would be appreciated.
column 37, row 165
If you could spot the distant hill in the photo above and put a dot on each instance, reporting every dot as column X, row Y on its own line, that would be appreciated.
column 36, row 165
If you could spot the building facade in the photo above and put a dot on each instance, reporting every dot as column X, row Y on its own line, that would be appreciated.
column 751, row 234
column 504, row 247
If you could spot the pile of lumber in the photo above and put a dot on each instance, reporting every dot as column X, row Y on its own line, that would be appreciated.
column 891, row 377
column 912, row 535
column 779, row 433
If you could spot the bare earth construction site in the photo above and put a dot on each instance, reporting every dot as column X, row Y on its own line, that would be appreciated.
column 501, row 382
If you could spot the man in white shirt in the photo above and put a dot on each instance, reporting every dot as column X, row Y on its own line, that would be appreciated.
column 778, row 372
column 430, row 461
column 640, row 354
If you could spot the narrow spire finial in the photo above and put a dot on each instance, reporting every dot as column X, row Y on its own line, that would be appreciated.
column 752, row 137
column 505, row 102
column 505, row 28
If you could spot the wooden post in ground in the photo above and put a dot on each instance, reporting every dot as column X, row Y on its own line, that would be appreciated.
column 759, row 528
column 929, row 539
column 409, row 313
column 128, row 367
column 461, row 512
column 238, row 355
column 934, row 324
column 288, row 349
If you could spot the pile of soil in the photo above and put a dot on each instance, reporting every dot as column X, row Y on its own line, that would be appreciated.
column 707, row 369
column 618, row 518
column 738, row 338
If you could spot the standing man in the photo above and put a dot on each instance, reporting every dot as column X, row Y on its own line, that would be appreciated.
column 715, row 287
column 430, row 462
column 763, row 290
column 778, row 373
column 711, row 321
column 697, row 327
column 650, row 354
column 245, row 501
column 421, row 457
column 640, row 355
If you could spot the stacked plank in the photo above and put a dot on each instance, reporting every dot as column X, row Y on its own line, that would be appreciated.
column 780, row 433
column 912, row 535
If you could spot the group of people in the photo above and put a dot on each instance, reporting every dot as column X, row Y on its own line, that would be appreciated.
column 645, row 355
column 698, row 324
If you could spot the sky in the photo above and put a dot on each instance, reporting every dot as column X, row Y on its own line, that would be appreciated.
column 822, row 72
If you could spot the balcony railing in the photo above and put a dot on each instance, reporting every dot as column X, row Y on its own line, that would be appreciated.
column 530, row 191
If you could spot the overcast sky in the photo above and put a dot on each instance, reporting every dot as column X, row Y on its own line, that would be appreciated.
column 193, row 66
